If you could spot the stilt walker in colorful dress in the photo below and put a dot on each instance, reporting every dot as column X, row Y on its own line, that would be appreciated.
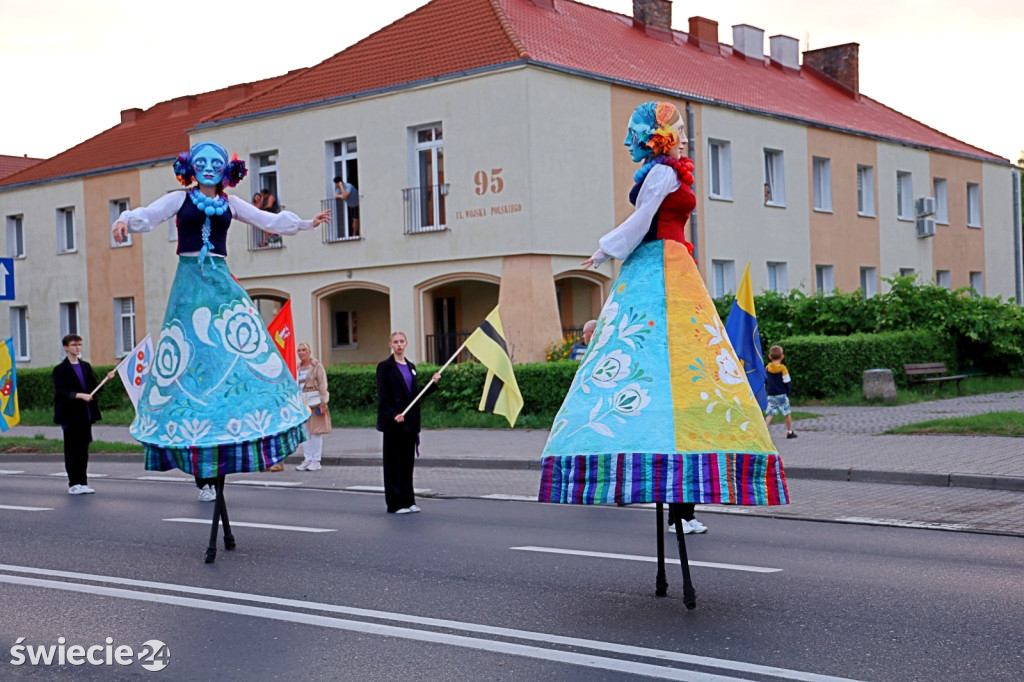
column 660, row 410
column 219, row 399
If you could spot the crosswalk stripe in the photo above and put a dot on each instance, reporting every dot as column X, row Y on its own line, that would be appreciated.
column 650, row 559
column 270, row 526
column 17, row 508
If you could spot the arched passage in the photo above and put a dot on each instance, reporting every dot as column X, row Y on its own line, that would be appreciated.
column 353, row 320
column 451, row 307
column 580, row 297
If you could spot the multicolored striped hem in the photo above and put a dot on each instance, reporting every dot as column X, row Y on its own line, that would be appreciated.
column 626, row 478
column 229, row 458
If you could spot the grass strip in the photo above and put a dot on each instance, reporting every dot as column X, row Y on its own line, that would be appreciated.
column 39, row 444
column 990, row 424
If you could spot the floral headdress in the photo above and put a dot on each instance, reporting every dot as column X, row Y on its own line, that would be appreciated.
column 234, row 172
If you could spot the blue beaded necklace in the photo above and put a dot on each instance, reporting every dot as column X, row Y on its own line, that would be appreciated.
column 209, row 206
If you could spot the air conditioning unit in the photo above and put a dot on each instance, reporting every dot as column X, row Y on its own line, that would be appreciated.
column 925, row 206
column 925, row 227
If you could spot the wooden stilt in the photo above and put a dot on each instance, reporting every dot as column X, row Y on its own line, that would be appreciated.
column 689, row 594
column 661, row 582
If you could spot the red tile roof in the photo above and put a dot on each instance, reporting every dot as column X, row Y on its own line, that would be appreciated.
column 447, row 37
column 13, row 164
column 157, row 133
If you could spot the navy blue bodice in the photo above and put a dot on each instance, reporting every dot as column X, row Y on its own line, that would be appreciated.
column 190, row 229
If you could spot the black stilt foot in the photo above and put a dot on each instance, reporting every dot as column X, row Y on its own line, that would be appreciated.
column 661, row 582
column 229, row 542
column 211, row 554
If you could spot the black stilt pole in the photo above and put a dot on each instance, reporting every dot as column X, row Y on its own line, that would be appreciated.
column 661, row 582
column 229, row 539
column 689, row 594
column 211, row 549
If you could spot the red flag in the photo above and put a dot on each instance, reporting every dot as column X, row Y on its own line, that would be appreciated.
column 283, row 334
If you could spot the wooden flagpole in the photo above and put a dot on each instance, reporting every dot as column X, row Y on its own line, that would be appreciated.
column 417, row 398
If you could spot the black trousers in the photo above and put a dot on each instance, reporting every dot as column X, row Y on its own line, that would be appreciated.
column 203, row 482
column 680, row 510
column 399, row 460
column 76, row 452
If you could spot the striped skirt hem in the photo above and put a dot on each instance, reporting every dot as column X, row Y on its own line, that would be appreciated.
column 228, row 458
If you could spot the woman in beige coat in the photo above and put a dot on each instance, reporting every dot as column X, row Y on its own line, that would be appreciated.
column 313, row 379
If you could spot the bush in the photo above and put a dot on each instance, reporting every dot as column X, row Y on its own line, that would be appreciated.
column 562, row 350
column 823, row 366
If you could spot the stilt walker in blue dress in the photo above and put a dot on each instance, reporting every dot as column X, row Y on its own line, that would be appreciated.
column 219, row 398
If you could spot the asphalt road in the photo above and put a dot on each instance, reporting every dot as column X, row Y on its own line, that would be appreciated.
column 450, row 593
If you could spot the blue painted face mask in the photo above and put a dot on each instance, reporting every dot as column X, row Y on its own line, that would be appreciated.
column 209, row 160
column 641, row 125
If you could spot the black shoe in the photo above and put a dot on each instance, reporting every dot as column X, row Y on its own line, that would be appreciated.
column 790, row 435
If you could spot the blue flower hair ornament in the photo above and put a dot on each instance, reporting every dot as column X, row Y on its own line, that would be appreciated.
column 235, row 171
column 183, row 169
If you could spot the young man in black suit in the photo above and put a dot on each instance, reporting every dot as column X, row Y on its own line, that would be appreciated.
column 75, row 410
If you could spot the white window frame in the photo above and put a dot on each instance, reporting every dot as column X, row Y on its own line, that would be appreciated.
column 720, row 169
column 778, row 277
column 940, row 190
column 66, row 233
column 352, row 321
column 16, row 236
column 70, row 318
column 117, row 207
column 825, row 279
column 774, row 178
column 905, row 195
column 944, row 280
column 977, row 280
column 723, row 277
column 973, row 205
column 124, row 325
column 866, row 191
column 869, row 281
column 821, row 169
column 339, row 228
column 417, row 202
column 20, row 332
column 266, row 165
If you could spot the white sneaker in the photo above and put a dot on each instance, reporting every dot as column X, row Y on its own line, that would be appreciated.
column 314, row 466
column 207, row 494
column 76, row 490
column 697, row 526
column 414, row 509
column 404, row 511
column 305, row 465
column 86, row 489
column 687, row 528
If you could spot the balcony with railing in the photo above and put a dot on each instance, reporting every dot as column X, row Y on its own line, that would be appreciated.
column 263, row 241
column 343, row 225
column 425, row 208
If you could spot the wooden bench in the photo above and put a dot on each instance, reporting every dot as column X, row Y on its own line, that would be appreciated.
column 918, row 374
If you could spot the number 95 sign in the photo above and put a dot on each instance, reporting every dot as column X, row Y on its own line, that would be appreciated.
column 488, row 182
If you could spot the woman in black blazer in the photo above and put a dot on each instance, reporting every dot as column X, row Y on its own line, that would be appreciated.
column 396, row 387
column 75, row 410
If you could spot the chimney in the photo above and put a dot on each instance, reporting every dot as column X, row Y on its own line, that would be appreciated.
column 785, row 51
column 840, row 62
column 181, row 105
column 704, row 34
column 130, row 116
column 237, row 93
column 544, row 4
column 654, row 17
column 748, row 41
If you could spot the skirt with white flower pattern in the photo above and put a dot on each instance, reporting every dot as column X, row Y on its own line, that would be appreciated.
column 660, row 409
column 219, row 398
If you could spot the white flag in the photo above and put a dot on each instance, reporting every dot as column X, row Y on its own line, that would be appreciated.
column 134, row 369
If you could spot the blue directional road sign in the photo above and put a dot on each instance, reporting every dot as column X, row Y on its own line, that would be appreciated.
column 6, row 279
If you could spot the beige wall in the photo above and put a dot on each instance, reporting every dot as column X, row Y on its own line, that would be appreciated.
column 1002, row 260
column 900, row 246
column 956, row 247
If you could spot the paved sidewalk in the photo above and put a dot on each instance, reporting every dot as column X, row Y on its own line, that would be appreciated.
column 954, row 482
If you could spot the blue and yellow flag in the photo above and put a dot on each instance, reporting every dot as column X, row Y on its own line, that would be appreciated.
column 501, row 392
column 9, row 414
column 741, row 326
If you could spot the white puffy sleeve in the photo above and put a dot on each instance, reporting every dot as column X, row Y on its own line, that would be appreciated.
column 284, row 222
column 620, row 242
column 146, row 218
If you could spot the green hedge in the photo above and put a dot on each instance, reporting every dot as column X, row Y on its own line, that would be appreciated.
column 823, row 366
column 35, row 389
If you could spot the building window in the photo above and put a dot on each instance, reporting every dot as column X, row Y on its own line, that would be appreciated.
column 15, row 236
column 904, row 195
column 825, row 278
column 345, row 332
column 425, row 199
column 822, row 171
column 265, row 178
column 941, row 192
column 117, row 207
column 907, row 272
column 720, row 169
column 865, row 190
column 943, row 279
column 723, row 273
column 869, row 281
column 778, row 279
column 124, row 326
column 973, row 204
column 66, row 230
column 19, row 330
column 774, row 179
column 978, row 283
column 69, row 319
column 344, row 222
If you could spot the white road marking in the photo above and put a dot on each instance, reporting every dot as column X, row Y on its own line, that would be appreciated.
column 16, row 508
column 380, row 489
column 901, row 524
column 515, row 498
column 650, row 559
column 176, row 479
column 271, row 526
column 9, row 472
column 91, row 475
column 469, row 642
column 269, row 484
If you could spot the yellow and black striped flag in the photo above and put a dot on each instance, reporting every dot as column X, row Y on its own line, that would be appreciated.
column 501, row 392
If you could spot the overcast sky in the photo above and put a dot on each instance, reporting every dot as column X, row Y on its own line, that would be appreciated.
column 68, row 67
